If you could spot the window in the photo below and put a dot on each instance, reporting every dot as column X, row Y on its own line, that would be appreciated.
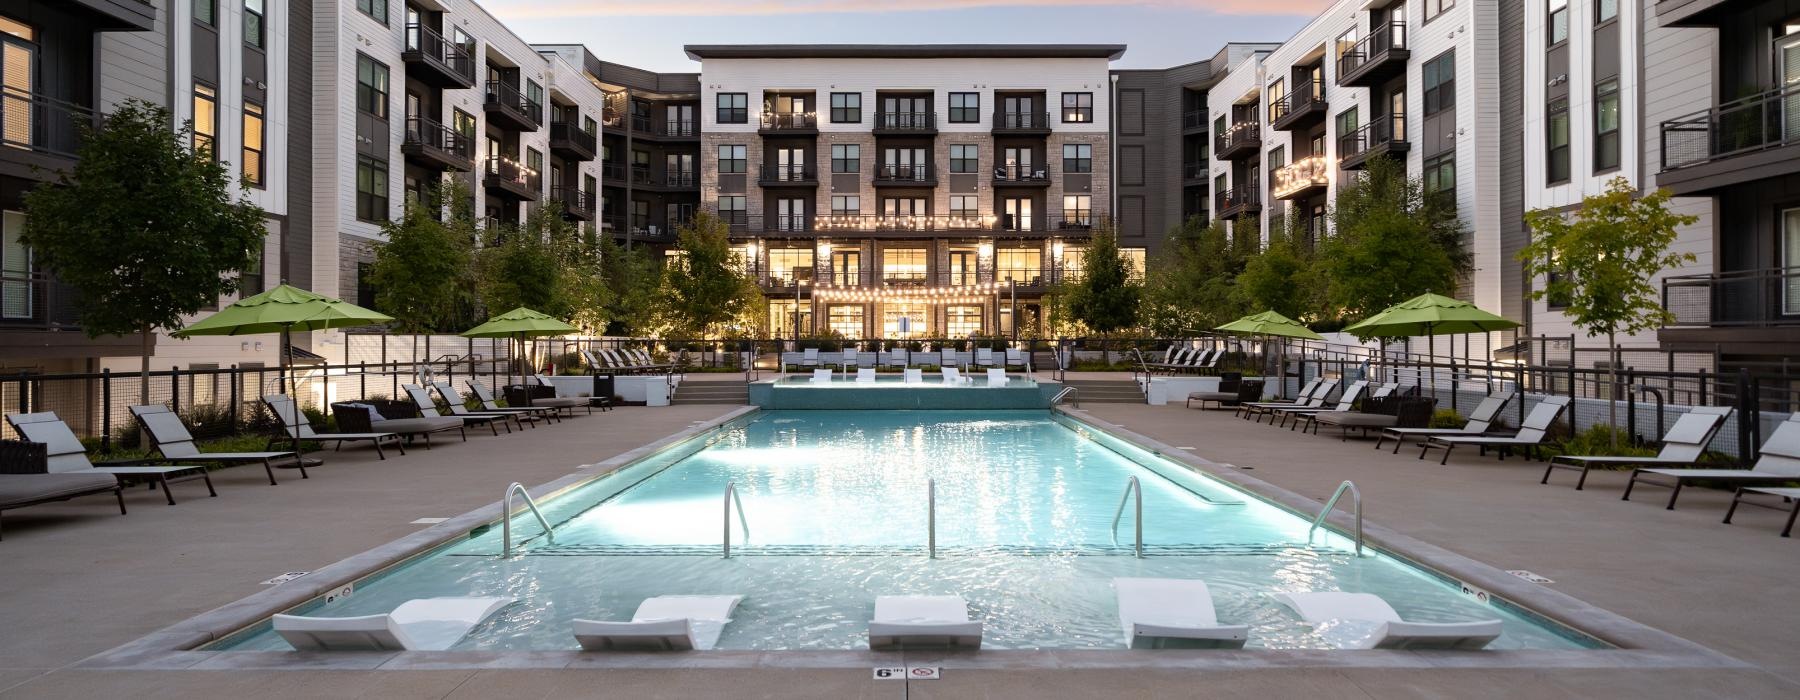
column 206, row 119
column 1020, row 265
column 250, row 279
column 1606, row 11
column 846, row 158
column 903, row 265
column 846, row 107
column 253, row 23
column 914, row 314
column 846, row 205
column 1346, row 42
column 1433, row 8
column 464, row 124
column 965, row 157
column 371, row 189
column 1348, row 121
column 1134, row 263
column 253, row 144
column 1558, row 21
column 1073, row 263
column 846, row 268
column 1277, row 92
column 732, row 159
column 965, row 107
column 734, row 108
column 1078, row 158
column 965, row 206
column 1078, row 209
column 377, row 9
column 1440, row 178
column 1078, row 107
column 534, row 166
column 732, row 209
column 845, row 320
column 1556, row 140
column 962, row 321
column 784, row 261
column 1606, row 125
column 534, row 96
column 1440, row 83
column 371, row 86
column 206, row 12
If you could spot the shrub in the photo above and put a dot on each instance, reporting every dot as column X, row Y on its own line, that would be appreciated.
column 1445, row 418
column 1602, row 440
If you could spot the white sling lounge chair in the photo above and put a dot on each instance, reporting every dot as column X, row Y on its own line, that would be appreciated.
column 913, row 375
column 898, row 357
column 1479, row 420
column 1370, row 623
column 426, row 624
column 1789, row 496
column 298, row 428
column 849, row 361
column 1776, row 462
column 1173, row 613
column 996, row 376
column 172, row 440
column 865, row 374
column 984, row 357
column 821, row 376
column 1346, row 399
column 65, row 455
column 1682, row 446
column 1250, row 408
column 914, row 621
column 1016, row 358
column 809, row 357
column 1321, row 392
column 1530, row 435
column 663, row 623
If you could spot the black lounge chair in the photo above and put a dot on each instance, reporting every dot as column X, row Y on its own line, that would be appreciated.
column 428, row 409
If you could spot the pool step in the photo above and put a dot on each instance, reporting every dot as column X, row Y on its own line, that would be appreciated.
column 1107, row 390
column 692, row 392
column 799, row 550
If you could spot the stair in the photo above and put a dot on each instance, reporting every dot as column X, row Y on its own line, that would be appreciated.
column 690, row 392
column 1123, row 390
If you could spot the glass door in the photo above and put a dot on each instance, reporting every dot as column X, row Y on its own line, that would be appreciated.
column 792, row 213
column 15, row 268
column 1787, row 65
column 1790, row 262
column 1018, row 213
column 18, row 67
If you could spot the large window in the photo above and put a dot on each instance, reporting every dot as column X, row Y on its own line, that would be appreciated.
column 253, row 144
column 371, row 189
column 1073, row 264
column 845, row 320
column 1606, row 125
column 1019, row 265
column 1556, row 140
column 846, row 158
column 784, row 261
column 1078, row 210
column 962, row 321
column 1077, row 107
column 784, row 320
column 206, row 119
column 846, row 268
column 1345, row 43
column 1078, row 158
column 965, row 107
column 965, row 206
column 915, row 325
column 1135, row 263
column 734, row 108
column 371, row 86
column 1433, row 8
column 733, row 158
column 1439, row 77
column 846, row 205
column 965, row 158
column 1558, row 21
column 846, row 107
column 206, row 12
column 1606, row 11
column 904, row 265
column 733, row 209
column 253, row 23
column 1440, row 178
column 377, row 9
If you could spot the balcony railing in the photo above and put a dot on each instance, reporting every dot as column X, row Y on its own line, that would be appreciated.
column 1743, row 298
column 452, row 62
column 1021, row 121
column 1762, row 121
column 1383, row 134
column 1301, row 177
column 569, row 138
column 437, row 144
column 1240, row 139
column 576, row 204
column 612, row 173
column 1194, row 171
column 678, row 127
column 904, row 173
column 1372, row 59
column 1193, row 119
column 521, row 113
column 1301, row 107
column 906, row 121
column 1237, row 200
column 34, row 300
column 792, row 172
column 34, row 122
column 511, row 176
column 640, row 175
column 1027, row 174
column 789, row 121
column 680, row 178
column 1068, row 223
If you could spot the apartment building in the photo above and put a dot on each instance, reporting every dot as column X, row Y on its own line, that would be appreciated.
column 907, row 191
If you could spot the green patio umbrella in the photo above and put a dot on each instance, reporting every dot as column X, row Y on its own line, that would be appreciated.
column 1271, row 323
column 1430, row 315
column 520, row 323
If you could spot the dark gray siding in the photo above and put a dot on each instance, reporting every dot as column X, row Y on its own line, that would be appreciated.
column 1513, row 236
column 1149, row 149
column 297, row 236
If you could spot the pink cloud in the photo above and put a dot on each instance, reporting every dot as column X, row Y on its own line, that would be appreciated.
column 550, row 9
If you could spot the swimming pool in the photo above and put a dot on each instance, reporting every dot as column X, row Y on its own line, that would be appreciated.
column 836, row 508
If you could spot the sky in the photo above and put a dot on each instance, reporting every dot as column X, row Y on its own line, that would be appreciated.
column 649, row 34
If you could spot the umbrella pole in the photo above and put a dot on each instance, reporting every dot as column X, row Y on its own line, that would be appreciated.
column 1431, row 357
column 287, row 364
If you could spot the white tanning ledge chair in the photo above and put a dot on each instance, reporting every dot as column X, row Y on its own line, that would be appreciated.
column 663, row 623
column 1173, row 613
column 865, row 374
column 919, row 621
column 821, row 376
column 427, row 624
column 1369, row 622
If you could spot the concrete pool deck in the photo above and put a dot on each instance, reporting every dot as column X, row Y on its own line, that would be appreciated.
column 82, row 581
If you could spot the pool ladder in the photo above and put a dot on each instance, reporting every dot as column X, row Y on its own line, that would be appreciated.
column 1068, row 392
column 1356, row 506
column 731, row 497
column 1132, row 489
column 506, row 512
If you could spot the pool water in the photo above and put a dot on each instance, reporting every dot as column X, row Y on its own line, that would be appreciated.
column 836, row 508
column 972, row 378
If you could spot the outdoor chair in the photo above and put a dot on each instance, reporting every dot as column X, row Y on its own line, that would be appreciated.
column 1479, row 420
column 63, row 454
column 1173, row 613
column 1247, row 408
column 36, row 486
column 663, row 623
column 364, row 417
column 428, row 409
column 296, row 427
column 1344, row 416
column 1681, row 446
column 171, row 439
column 427, row 624
column 1346, row 400
column 1320, row 394
column 459, row 406
column 1227, row 392
column 923, row 621
column 1530, row 436
column 1777, row 462
column 1384, row 628
column 568, row 404
column 489, row 403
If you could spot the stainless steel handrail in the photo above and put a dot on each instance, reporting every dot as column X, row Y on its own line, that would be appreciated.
column 1065, row 393
column 1356, row 506
column 506, row 517
column 731, row 496
column 1131, row 488
column 931, row 517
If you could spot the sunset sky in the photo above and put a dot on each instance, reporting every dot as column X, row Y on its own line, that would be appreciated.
column 650, row 33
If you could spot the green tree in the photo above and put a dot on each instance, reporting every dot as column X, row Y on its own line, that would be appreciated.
column 633, row 280
column 520, row 267
column 1106, row 299
column 424, row 273
column 1600, row 263
column 584, row 289
column 704, row 288
column 1281, row 278
column 144, row 229
column 1392, row 242
column 1192, row 282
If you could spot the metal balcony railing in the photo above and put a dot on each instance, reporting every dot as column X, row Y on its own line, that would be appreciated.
column 1021, row 121
column 1237, row 196
column 678, row 127
column 1194, row 171
column 1381, row 131
column 1303, row 96
column 34, row 122
column 793, row 172
column 905, row 121
column 501, row 169
column 34, row 300
column 1372, row 48
column 680, row 178
column 1072, row 223
column 1021, row 173
column 785, row 121
column 507, row 96
column 1765, row 120
column 904, row 173
column 1193, row 119
column 427, row 132
column 1239, row 136
column 1739, row 298
column 1301, row 175
column 573, row 199
column 573, row 134
column 447, row 55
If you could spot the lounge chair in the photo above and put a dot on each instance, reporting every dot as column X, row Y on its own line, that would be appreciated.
column 643, row 359
column 488, row 403
column 952, row 375
column 821, row 376
column 428, row 408
column 913, row 375
column 898, row 357
column 1173, row 613
column 984, row 357
column 1681, row 446
column 459, row 406
column 425, row 624
column 923, row 621
column 1530, row 435
column 1245, row 409
column 1016, row 358
column 996, row 376
column 1371, row 417
column 865, row 374
column 1346, row 399
column 1789, row 497
column 1316, row 400
column 363, row 418
column 65, row 455
column 849, row 361
column 1209, row 364
column 565, row 403
column 809, row 357
column 172, row 441
column 1379, row 627
column 1342, row 414
column 295, row 425
column 1778, row 461
column 1479, row 420
column 22, row 490
column 663, row 623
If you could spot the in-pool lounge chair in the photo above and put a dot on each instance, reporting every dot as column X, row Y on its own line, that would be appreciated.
column 663, row 623
column 425, row 624
column 428, row 408
column 821, row 376
column 173, row 442
column 865, row 374
column 1790, row 501
column 1248, row 408
column 1346, row 399
column 566, row 404
column 1530, row 436
column 953, row 375
column 913, row 375
column 295, row 425
column 1681, row 446
column 1479, row 420
column 1370, row 623
column 923, row 621
column 1778, row 461
column 996, row 376
column 65, row 455
column 488, row 403
column 1173, row 613
column 21, row 490
column 459, row 406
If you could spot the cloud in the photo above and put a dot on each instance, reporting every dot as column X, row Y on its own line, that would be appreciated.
column 553, row 9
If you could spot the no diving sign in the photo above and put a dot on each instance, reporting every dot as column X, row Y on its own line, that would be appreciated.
column 907, row 673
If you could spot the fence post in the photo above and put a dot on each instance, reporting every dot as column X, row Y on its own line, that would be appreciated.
column 231, row 381
column 1747, row 417
column 1702, row 401
column 1631, row 432
column 362, row 380
column 24, row 392
column 175, row 390
column 105, row 409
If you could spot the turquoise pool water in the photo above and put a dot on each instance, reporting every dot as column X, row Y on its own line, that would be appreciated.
column 840, row 380
column 836, row 508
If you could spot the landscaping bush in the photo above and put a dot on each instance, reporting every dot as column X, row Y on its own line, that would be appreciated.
column 1445, row 418
column 1600, row 440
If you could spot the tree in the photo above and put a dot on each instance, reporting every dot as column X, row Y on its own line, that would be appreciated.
column 1192, row 283
column 424, row 273
column 1106, row 299
column 145, row 229
column 634, row 283
column 1600, row 263
column 1392, row 242
column 1281, row 278
column 583, row 284
column 704, row 288
column 519, row 267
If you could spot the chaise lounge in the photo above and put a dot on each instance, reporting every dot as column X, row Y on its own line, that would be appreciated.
column 63, row 454
column 171, row 439
column 663, row 623
column 1682, row 445
column 1778, row 461
column 1171, row 613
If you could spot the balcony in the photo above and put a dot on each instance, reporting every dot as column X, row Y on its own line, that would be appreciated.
column 510, row 110
column 1194, row 172
column 41, row 134
column 1383, row 136
column 1378, row 57
column 796, row 123
column 791, row 175
column 1302, row 178
column 904, row 123
column 680, row 180
column 677, row 129
column 1241, row 140
column 1301, row 109
column 576, row 204
column 131, row 15
column 612, row 174
column 1239, row 201
column 640, row 175
column 1700, row 13
column 1743, row 310
column 1193, row 120
column 508, row 178
column 436, row 61
column 905, row 176
column 1022, row 123
column 436, row 146
column 570, row 142
column 1021, row 176
column 1740, row 141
